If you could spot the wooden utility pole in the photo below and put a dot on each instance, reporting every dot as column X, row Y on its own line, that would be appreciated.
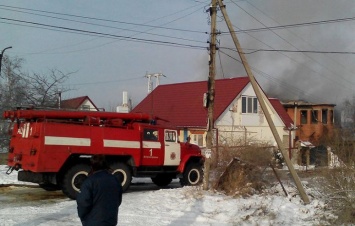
column 263, row 105
column 211, row 93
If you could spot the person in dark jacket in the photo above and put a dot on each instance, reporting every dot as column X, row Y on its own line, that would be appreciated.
column 100, row 195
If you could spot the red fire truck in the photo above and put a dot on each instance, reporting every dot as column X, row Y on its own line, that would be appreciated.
column 53, row 147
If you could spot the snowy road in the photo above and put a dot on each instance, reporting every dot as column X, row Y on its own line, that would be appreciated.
column 146, row 204
column 31, row 205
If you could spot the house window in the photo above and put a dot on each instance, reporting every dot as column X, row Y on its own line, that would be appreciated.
column 304, row 117
column 325, row 116
column 85, row 107
column 198, row 139
column 314, row 116
column 331, row 118
column 249, row 105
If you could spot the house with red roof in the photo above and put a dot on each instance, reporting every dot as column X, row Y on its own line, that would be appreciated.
column 83, row 103
column 237, row 113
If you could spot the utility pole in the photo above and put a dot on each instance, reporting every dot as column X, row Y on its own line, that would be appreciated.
column 263, row 105
column 2, row 54
column 211, row 94
column 59, row 97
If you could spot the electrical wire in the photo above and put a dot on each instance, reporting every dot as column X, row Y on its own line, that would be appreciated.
column 342, row 65
column 105, row 20
column 107, row 35
column 299, row 51
column 296, row 51
column 220, row 62
column 106, row 26
column 289, row 87
column 137, row 32
column 291, row 25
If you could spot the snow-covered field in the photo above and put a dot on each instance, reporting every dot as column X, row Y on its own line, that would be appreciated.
column 177, row 206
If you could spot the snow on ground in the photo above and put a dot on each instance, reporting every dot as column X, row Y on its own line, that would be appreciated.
column 175, row 207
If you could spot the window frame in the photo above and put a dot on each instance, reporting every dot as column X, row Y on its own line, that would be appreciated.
column 325, row 116
column 197, row 139
column 314, row 116
column 150, row 134
column 171, row 136
column 304, row 117
column 85, row 107
column 249, row 105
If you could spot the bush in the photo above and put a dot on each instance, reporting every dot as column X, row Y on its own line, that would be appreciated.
column 338, row 185
column 240, row 169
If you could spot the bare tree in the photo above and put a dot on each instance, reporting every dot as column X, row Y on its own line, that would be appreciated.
column 22, row 89
column 18, row 89
column 11, row 83
column 42, row 89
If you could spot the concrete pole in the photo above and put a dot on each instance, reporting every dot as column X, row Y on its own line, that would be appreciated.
column 211, row 94
column 263, row 105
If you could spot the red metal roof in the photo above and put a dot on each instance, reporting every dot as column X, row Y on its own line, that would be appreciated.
column 182, row 103
column 279, row 108
column 75, row 103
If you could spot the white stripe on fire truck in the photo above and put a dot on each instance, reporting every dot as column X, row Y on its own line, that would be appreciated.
column 73, row 141
column 121, row 144
column 151, row 144
column 130, row 144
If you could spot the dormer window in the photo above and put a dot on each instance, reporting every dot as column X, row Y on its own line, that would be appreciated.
column 249, row 105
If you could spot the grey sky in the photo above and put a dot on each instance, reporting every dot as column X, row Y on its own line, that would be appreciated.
column 107, row 66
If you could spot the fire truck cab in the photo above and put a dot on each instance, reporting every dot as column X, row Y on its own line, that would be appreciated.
column 53, row 148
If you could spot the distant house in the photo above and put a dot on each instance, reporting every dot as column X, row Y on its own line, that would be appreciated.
column 83, row 103
column 237, row 113
column 313, row 121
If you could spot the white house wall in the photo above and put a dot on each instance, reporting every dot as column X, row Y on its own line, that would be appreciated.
column 233, row 124
column 89, row 103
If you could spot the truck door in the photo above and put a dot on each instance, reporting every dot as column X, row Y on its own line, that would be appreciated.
column 152, row 153
column 172, row 155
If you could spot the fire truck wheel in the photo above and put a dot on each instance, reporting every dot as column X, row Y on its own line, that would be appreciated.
column 73, row 179
column 192, row 175
column 123, row 173
column 162, row 180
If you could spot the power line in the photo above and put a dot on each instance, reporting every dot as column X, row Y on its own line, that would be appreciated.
column 342, row 66
column 289, row 87
column 291, row 25
column 106, row 26
column 98, row 36
column 137, row 33
column 127, row 38
column 106, row 20
column 176, row 29
column 299, row 51
column 289, row 56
